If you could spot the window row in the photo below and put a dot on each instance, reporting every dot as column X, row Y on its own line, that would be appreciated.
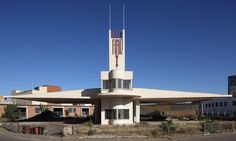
column 220, row 104
column 117, row 114
column 117, row 83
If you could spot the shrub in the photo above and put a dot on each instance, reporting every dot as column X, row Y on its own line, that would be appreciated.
column 11, row 113
column 154, row 132
column 209, row 126
column 168, row 127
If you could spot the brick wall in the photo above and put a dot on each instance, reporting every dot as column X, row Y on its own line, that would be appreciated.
column 2, row 110
column 53, row 88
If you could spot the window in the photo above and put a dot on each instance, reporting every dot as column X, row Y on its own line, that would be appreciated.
column 221, row 104
column 205, row 105
column 119, row 83
column 85, row 112
column 209, row 104
column 72, row 110
column 234, row 94
column 113, row 83
column 216, row 104
column 110, row 114
column 105, row 84
column 213, row 104
column 58, row 111
column 126, row 84
column 22, row 111
column 123, row 114
column 225, row 104
column 37, row 110
column 234, row 103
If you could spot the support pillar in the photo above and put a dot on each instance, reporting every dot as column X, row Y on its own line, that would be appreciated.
column 136, row 111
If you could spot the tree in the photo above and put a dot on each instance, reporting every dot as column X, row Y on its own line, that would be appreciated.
column 11, row 112
column 42, row 107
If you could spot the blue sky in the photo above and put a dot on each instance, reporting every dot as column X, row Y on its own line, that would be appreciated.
column 170, row 44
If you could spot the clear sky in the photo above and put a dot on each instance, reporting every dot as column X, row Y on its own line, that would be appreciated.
column 187, row 45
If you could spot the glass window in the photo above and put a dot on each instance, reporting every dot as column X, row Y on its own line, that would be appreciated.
column 37, row 110
column 216, row 104
column 234, row 94
column 209, row 105
column 110, row 114
column 126, row 84
column 105, row 84
column 85, row 112
column 123, row 114
column 119, row 83
column 113, row 83
column 205, row 105
column 72, row 110
column 221, row 104
column 58, row 111
column 234, row 103
column 213, row 104
column 225, row 103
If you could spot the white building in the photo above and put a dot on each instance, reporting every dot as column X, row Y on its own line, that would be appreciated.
column 222, row 106
column 117, row 101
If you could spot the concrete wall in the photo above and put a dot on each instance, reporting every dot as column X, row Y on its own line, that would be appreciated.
column 117, row 103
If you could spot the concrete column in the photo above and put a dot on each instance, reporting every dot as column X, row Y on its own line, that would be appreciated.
column 136, row 111
column 97, row 111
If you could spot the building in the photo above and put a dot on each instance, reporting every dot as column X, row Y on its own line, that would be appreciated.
column 29, row 108
column 117, row 101
column 3, row 103
column 222, row 106
column 232, row 85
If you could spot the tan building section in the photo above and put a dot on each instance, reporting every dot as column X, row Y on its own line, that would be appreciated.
column 2, row 110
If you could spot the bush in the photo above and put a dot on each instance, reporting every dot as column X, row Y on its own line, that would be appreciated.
column 11, row 113
column 209, row 126
column 168, row 127
column 154, row 133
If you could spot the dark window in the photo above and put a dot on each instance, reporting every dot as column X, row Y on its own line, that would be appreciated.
column 119, row 83
column 216, row 104
column 113, row 83
column 234, row 103
column 205, row 105
column 225, row 104
column 58, row 111
column 126, row 84
column 85, row 112
column 105, row 84
column 209, row 104
column 110, row 114
column 221, row 104
column 22, row 112
column 37, row 110
column 123, row 114
column 213, row 104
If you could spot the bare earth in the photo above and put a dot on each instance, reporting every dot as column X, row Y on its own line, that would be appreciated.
column 9, row 136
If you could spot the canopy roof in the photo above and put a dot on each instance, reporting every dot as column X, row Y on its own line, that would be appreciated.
column 144, row 95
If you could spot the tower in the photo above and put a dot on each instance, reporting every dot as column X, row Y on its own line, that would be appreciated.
column 117, row 104
column 116, row 45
